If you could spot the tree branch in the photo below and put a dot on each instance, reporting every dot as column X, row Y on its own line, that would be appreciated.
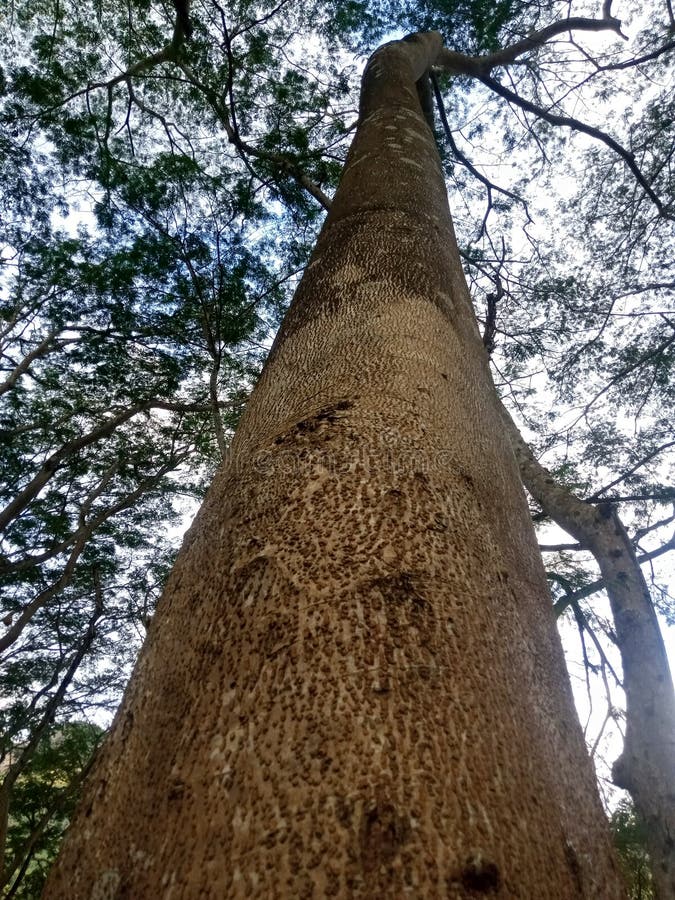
column 481, row 66
column 285, row 163
column 577, row 125
column 489, row 185
column 52, row 463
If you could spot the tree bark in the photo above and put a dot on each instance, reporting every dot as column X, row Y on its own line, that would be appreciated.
column 353, row 685
column 646, row 767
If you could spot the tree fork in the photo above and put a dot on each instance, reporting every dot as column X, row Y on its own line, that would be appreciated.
column 353, row 685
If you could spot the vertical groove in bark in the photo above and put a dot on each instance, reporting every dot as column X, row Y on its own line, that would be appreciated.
column 646, row 767
column 353, row 686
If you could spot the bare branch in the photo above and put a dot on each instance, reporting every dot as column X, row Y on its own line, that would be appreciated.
column 489, row 185
column 577, row 125
column 624, row 475
column 559, row 548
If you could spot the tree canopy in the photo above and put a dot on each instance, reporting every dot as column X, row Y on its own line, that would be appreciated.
column 164, row 176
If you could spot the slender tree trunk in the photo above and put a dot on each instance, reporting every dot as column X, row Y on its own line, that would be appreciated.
column 646, row 768
column 353, row 685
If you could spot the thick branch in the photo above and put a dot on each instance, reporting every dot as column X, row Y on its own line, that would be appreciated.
column 44, row 347
column 647, row 765
column 599, row 584
column 481, row 66
column 539, row 38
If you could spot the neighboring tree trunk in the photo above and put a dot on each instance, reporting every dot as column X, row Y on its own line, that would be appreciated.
column 353, row 685
column 646, row 768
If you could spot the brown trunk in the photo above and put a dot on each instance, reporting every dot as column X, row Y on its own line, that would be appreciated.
column 353, row 685
column 646, row 768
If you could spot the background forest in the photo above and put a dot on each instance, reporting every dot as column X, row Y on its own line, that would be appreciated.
column 164, row 176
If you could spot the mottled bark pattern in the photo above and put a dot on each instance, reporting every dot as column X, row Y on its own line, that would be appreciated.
column 353, row 686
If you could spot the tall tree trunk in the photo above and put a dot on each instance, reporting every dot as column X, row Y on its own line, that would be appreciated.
column 646, row 768
column 353, row 685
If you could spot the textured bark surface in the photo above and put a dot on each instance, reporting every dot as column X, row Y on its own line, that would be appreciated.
column 353, row 686
column 646, row 768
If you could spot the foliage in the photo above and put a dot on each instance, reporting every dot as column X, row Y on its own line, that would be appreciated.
column 43, row 799
column 629, row 840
